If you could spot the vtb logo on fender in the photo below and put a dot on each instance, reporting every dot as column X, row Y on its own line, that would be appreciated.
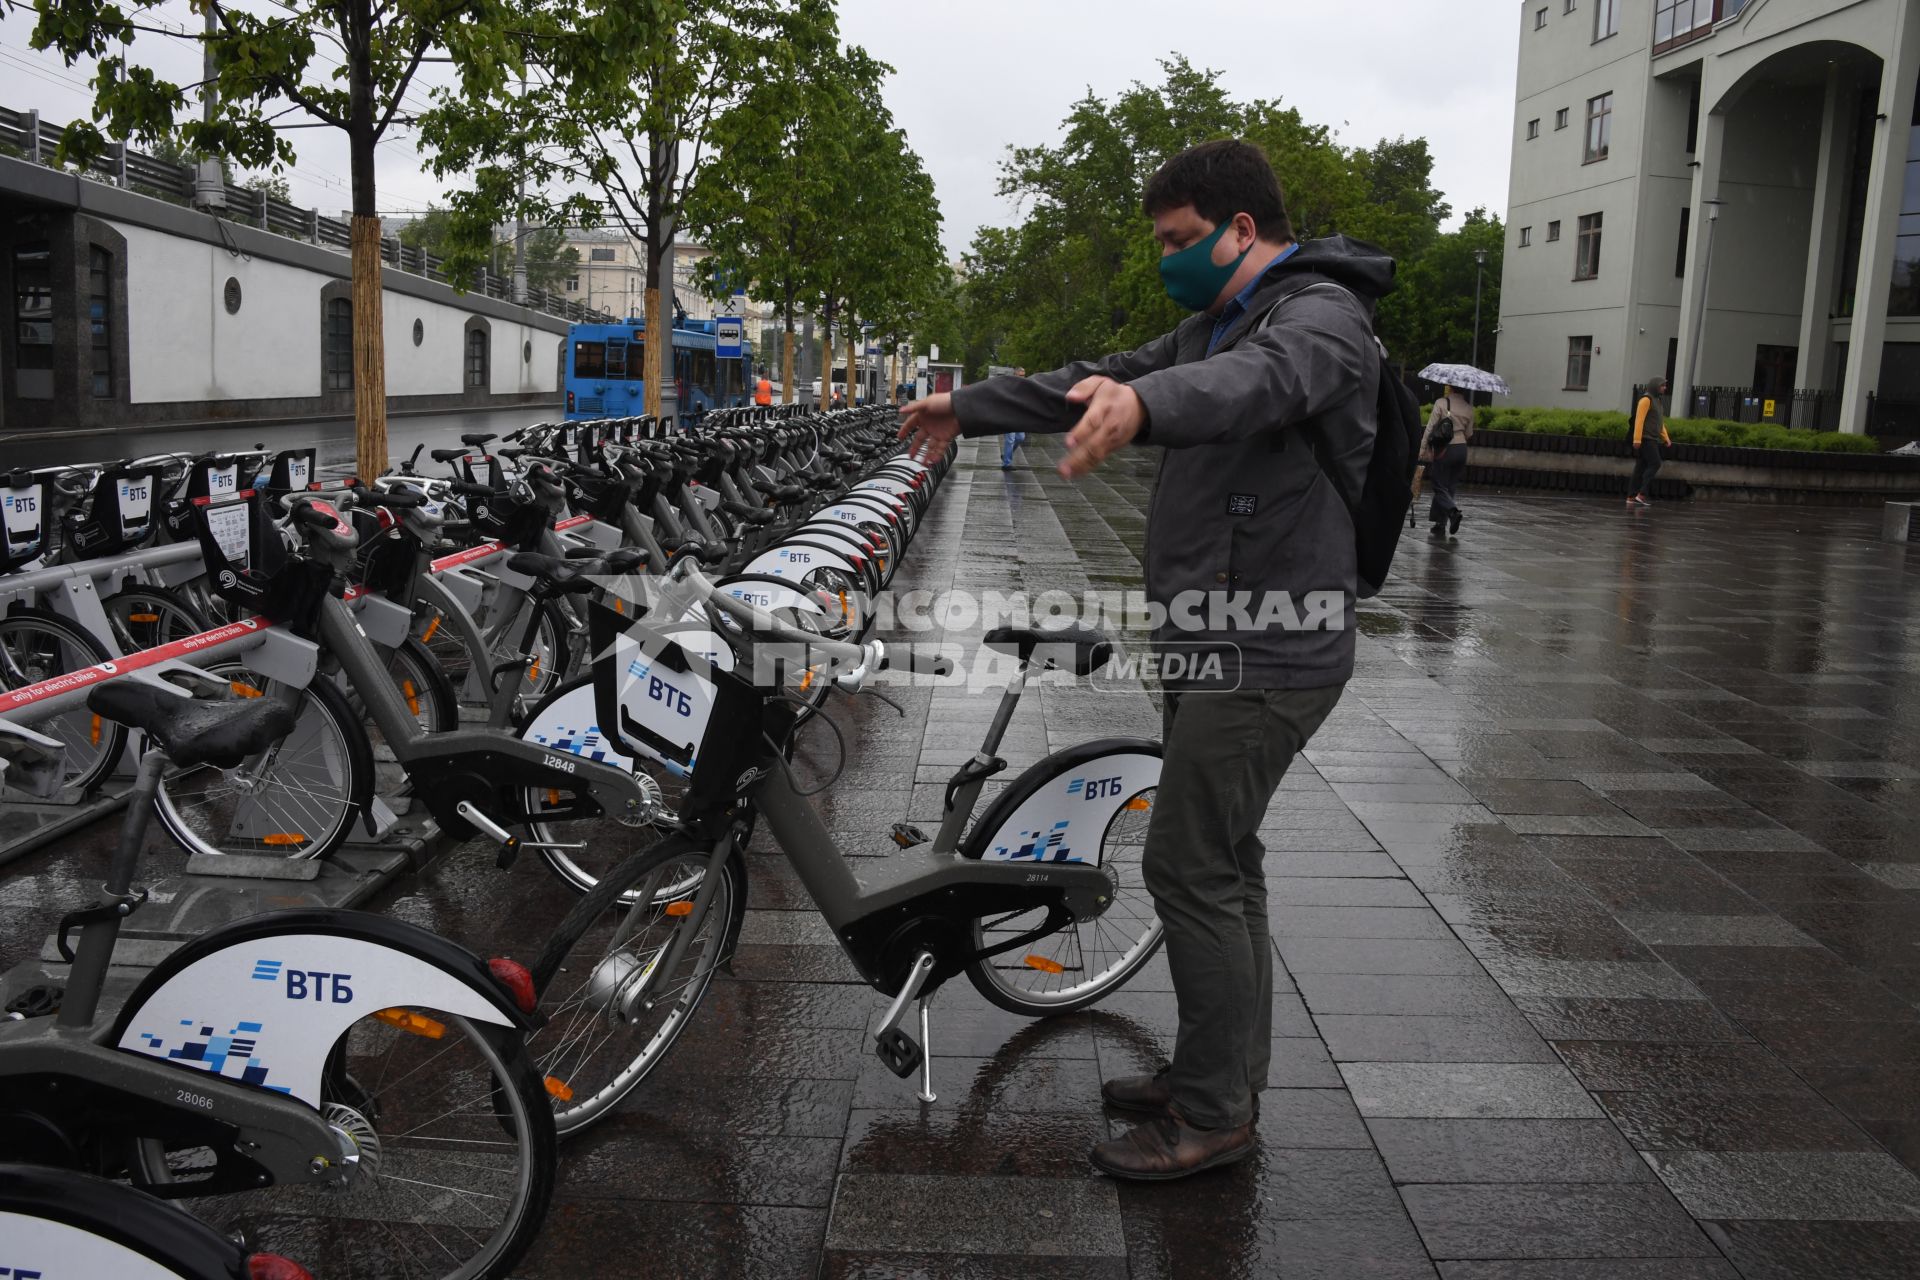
column 1094, row 788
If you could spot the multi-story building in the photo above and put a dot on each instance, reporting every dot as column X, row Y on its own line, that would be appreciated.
column 1723, row 192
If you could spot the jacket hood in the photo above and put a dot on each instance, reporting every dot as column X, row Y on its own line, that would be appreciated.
column 1364, row 268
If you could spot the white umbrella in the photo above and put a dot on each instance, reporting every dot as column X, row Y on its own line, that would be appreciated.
column 1464, row 377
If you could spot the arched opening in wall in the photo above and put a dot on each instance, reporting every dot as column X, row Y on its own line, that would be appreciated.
column 100, row 319
column 336, row 345
column 477, row 344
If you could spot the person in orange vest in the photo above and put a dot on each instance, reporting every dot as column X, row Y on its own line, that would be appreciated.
column 763, row 391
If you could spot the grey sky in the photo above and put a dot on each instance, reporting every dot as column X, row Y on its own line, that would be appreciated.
column 976, row 76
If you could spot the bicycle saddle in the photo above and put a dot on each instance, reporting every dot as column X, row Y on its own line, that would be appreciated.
column 1091, row 647
column 447, row 455
column 191, row 731
column 478, row 438
column 557, row 576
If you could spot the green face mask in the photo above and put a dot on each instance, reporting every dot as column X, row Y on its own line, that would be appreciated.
column 1191, row 276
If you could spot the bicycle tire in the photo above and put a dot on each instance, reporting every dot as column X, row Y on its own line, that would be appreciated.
column 425, row 691
column 625, row 972
column 1125, row 830
column 146, row 617
column 322, row 706
column 33, row 643
column 539, row 679
column 300, row 1221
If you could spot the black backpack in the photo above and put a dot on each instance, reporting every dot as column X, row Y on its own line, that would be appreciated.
column 1380, row 511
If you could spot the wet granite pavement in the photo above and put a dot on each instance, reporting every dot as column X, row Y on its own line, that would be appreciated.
column 1597, row 900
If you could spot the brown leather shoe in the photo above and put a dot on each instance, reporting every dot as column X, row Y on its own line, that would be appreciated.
column 1167, row 1147
column 1148, row 1094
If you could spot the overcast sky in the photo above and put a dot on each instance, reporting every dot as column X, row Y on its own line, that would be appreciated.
column 977, row 76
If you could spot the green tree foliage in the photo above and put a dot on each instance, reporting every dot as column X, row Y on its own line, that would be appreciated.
column 1079, row 276
column 1429, row 318
column 550, row 259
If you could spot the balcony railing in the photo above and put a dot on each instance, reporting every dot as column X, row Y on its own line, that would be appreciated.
column 1681, row 22
column 26, row 135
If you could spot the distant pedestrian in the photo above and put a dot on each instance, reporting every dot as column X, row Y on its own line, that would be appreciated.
column 1649, row 434
column 763, row 392
column 1448, row 431
column 1007, row 443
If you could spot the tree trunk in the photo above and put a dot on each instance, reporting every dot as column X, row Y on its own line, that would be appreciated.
column 650, row 360
column 893, row 377
column 369, row 352
column 786, row 366
column 853, row 363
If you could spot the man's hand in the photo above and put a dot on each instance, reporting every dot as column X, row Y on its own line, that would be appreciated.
column 931, row 423
column 1114, row 417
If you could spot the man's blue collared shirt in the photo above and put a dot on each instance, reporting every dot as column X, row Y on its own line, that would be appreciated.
column 1237, row 305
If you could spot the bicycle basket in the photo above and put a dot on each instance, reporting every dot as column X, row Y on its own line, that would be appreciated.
column 249, row 564
column 119, row 515
column 23, row 506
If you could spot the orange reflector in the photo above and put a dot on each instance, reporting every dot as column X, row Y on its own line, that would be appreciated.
column 806, row 681
column 679, row 908
column 1139, row 804
column 431, row 628
column 283, row 838
column 415, row 1023
column 244, row 689
column 93, row 731
column 413, row 696
column 559, row 1088
column 619, row 605
column 553, row 796
column 533, row 671
column 1045, row 965
column 143, row 617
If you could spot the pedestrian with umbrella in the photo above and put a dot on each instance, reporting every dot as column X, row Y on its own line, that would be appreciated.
column 1448, row 431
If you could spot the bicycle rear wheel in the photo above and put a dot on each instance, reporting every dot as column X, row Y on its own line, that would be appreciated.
column 299, row 800
column 146, row 617
column 36, row 645
column 456, row 1157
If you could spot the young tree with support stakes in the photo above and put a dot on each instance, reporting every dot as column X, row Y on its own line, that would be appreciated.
column 622, row 114
column 260, row 68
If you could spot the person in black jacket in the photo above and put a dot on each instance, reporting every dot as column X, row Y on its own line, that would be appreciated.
column 1263, row 405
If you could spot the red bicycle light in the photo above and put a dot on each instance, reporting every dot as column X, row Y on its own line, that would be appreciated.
column 271, row 1266
column 514, row 977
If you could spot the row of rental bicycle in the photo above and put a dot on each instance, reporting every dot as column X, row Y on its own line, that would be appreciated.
column 606, row 645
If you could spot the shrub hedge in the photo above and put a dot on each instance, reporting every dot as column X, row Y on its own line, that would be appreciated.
column 1611, row 425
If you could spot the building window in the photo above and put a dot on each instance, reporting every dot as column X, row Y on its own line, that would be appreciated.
column 1539, row 19
column 1586, row 253
column 33, row 320
column 1599, row 127
column 1904, row 300
column 336, row 345
column 477, row 359
column 1533, row 130
column 1606, row 18
column 1579, row 362
column 99, row 311
column 600, row 255
column 1526, row 236
column 573, row 284
column 1572, row 5
column 1677, row 21
column 1560, row 118
column 1693, row 118
column 1553, row 231
column 1680, row 257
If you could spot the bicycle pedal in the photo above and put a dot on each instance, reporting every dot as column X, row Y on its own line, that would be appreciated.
column 35, row 1002
column 906, row 835
column 899, row 1051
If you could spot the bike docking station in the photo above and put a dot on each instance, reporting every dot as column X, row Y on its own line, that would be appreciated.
column 211, row 890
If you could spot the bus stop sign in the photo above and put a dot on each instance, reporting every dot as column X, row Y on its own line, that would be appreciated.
column 726, row 338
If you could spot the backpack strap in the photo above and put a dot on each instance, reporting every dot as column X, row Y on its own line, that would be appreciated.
column 1314, row 437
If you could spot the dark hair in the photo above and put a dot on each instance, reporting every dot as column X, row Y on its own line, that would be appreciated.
column 1220, row 179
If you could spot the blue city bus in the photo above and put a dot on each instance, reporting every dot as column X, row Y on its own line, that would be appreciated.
column 604, row 363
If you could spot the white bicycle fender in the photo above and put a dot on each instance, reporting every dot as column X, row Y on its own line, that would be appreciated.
column 34, row 1248
column 1066, row 818
column 268, row 1008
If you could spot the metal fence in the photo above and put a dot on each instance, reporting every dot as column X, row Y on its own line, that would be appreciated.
column 24, row 133
column 1811, row 408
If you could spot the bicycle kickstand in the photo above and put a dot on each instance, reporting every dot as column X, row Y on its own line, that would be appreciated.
column 895, row 1047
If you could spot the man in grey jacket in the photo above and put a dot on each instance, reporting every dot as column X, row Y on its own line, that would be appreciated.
column 1264, row 406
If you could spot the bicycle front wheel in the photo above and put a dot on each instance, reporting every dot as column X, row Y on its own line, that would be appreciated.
column 36, row 645
column 455, row 1148
column 146, row 617
column 298, row 799
column 613, row 1008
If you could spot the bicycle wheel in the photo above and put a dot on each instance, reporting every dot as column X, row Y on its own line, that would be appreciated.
column 429, row 697
column 456, row 1157
column 1088, row 960
column 298, row 800
column 36, row 645
column 146, row 617
column 612, row 1012
column 452, row 653
column 548, row 651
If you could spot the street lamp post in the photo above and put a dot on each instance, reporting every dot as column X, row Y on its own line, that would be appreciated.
column 1700, row 321
column 1479, row 269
